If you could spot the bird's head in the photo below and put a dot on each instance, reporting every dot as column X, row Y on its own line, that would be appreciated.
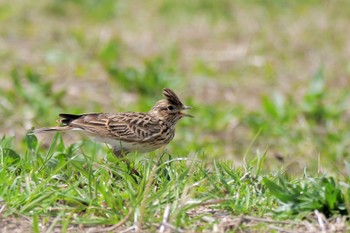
column 170, row 109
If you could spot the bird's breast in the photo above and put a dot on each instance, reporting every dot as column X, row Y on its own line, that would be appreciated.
column 141, row 147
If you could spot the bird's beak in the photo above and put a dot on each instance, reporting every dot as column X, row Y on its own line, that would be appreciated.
column 185, row 114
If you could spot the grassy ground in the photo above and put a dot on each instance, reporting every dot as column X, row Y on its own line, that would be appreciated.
column 267, row 152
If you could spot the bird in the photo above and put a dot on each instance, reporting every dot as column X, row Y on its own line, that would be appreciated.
column 127, row 132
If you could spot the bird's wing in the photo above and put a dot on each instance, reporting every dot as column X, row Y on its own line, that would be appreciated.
column 129, row 126
column 135, row 127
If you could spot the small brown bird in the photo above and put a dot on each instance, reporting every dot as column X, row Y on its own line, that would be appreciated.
column 129, row 131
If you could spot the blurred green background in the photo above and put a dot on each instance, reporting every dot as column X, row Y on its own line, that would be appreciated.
column 263, row 76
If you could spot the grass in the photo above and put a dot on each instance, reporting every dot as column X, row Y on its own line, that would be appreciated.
column 64, row 187
column 267, row 151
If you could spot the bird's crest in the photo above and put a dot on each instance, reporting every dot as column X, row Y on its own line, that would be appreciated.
column 172, row 97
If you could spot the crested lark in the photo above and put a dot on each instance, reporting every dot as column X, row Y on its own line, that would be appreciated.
column 129, row 131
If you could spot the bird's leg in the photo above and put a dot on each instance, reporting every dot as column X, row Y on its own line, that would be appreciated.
column 162, row 150
column 120, row 154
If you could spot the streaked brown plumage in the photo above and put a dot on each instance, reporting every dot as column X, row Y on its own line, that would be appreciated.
column 129, row 131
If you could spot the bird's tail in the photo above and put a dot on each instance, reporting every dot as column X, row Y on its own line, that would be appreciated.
column 51, row 129
column 66, row 120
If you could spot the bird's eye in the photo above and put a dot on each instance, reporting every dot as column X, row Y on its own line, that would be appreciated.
column 170, row 107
